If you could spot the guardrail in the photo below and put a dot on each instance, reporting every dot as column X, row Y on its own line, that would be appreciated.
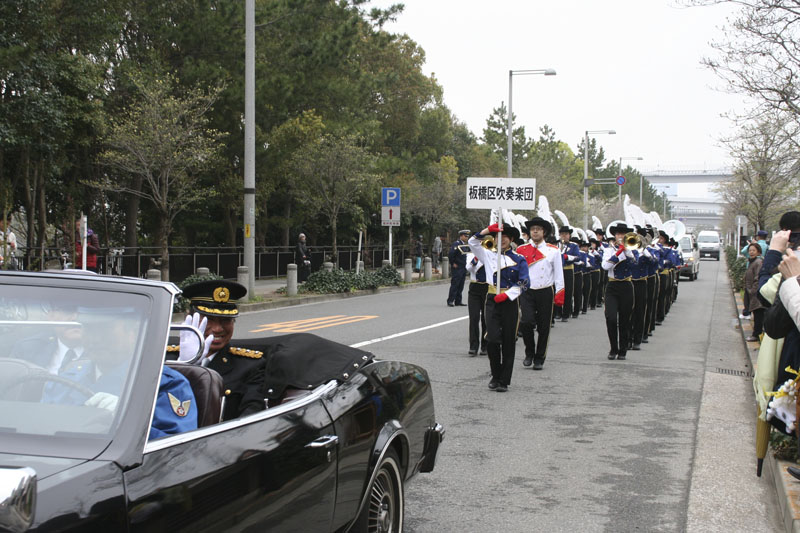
column 271, row 261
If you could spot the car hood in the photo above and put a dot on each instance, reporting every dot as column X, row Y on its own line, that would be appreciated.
column 44, row 466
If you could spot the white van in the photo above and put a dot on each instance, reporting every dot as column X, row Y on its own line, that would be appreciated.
column 691, row 258
column 709, row 243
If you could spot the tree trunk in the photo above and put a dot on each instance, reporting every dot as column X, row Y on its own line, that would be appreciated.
column 132, row 215
column 163, row 245
column 287, row 214
column 230, row 228
column 41, row 230
column 335, row 254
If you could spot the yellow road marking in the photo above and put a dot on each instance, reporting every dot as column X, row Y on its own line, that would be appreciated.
column 309, row 324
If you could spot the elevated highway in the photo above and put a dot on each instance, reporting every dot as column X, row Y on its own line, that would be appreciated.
column 704, row 212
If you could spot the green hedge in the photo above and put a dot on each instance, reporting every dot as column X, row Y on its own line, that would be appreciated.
column 737, row 266
column 340, row 280
column 182, row 304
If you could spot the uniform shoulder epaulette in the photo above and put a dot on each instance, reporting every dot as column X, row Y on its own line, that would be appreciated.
column 552, row 246
column 173, row 348
column 244, row 352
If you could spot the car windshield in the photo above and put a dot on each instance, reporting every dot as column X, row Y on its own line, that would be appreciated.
column 686, row 244
column 65, row 358
column 707, row 238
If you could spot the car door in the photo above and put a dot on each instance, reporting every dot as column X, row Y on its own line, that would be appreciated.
column 271, row 471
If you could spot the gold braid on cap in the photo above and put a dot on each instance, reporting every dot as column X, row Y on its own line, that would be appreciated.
column 210, row 311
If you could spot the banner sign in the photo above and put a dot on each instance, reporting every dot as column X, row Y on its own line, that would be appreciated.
column 491, row 193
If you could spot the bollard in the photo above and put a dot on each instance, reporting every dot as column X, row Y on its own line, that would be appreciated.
column 243, row 278
column 428, row 268
column 291, row 279
column 359, row 266
column 328, row 266
column 154, row 274
column 203, row 271
column 446, row 269
column 384, row 263
column 407, row 271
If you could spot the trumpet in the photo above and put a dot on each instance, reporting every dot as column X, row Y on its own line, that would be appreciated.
column 488, row 243
column 633, row 241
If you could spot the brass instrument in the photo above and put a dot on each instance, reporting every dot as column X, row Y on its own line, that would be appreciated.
column 488, row 243
column 633, row 241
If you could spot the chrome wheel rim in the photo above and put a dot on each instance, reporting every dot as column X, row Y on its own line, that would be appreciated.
column 382, row 501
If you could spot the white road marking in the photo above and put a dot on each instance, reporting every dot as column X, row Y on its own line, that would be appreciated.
column 409, row 332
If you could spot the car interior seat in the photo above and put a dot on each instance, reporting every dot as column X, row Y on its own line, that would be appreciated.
column 207, row 386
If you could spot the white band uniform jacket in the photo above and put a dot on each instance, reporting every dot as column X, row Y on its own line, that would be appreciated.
column 545, row 267
column 514, row 275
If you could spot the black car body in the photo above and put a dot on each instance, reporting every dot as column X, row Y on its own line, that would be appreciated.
column 333, row 458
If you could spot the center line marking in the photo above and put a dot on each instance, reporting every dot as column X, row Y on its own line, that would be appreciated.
column 409, row 332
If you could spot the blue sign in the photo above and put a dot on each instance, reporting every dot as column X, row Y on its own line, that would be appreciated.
column 390, row 197
column 620, row 180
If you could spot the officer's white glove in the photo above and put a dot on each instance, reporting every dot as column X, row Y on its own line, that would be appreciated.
column 647, row 253
column 571, row 257
column 629, row 254
column 103, row 400
column 189, row 341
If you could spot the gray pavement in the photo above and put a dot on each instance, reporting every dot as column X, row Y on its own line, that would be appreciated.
column 660, row 442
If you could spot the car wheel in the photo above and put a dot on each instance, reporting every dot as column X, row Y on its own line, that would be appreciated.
column 383, row 512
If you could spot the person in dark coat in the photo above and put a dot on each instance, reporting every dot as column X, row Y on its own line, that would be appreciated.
column 214, row 310
column 751, row 301
column 302, row 258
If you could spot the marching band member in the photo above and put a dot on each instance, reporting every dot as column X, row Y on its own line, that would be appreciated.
column 502, row 309
column 476, row 301
column 595, row 258
column 664, row 263
column 587, row 276
column 602, row 246
column 546, row 289
column 652, row 285
column 619, row 293
column 577, row 284
column 569, row 255
column 639, row 280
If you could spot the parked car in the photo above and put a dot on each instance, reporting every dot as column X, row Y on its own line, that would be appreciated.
column 334, row 455
column 710, row 244
column 691, row 258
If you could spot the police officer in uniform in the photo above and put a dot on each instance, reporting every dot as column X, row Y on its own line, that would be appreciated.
column 476, row 302
column 546, row 289
column 502, row 308
column 214, row 310
column 619, row 292
column 458, row 263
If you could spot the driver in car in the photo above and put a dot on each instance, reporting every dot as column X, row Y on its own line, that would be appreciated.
column 213, row 310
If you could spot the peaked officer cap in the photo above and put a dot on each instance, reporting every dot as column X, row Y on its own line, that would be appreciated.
column 215, row 297
column 465, row 232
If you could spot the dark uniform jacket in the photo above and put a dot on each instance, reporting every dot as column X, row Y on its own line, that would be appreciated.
column 458, row 254
column 242, row 372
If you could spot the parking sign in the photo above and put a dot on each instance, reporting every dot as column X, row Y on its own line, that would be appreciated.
column 390, row 197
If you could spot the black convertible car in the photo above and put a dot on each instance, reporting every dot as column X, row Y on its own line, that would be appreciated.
column 331, row 453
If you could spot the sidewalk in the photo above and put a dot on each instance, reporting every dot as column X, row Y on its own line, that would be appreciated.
column 787, row 487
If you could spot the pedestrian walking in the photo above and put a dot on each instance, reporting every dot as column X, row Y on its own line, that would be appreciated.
column 418, row 251
column 92, row 247
column 458, row 264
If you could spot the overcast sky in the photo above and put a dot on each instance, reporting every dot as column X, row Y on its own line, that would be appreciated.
column 628, row 65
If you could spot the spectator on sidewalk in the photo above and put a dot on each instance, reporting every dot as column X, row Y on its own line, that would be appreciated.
column 418, row 251
column 760, row 239
column 436, row 253
column 789, row 236
column 8, row 244
column 302, row 258
column 751, row 300
column 92, row 247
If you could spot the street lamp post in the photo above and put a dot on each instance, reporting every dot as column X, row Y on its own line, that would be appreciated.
column 511, row 74
column 586, row 171
column 619, row 195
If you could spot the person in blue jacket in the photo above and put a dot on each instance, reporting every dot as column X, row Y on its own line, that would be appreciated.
column 175, row 410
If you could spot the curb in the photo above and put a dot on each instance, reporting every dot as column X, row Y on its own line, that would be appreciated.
column 786, row 486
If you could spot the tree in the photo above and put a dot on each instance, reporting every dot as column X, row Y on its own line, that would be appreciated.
column 495, row 135
column 162, row 138
column 760, row 55
column 765, row 177
column 436, row 201
column 333, row 171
